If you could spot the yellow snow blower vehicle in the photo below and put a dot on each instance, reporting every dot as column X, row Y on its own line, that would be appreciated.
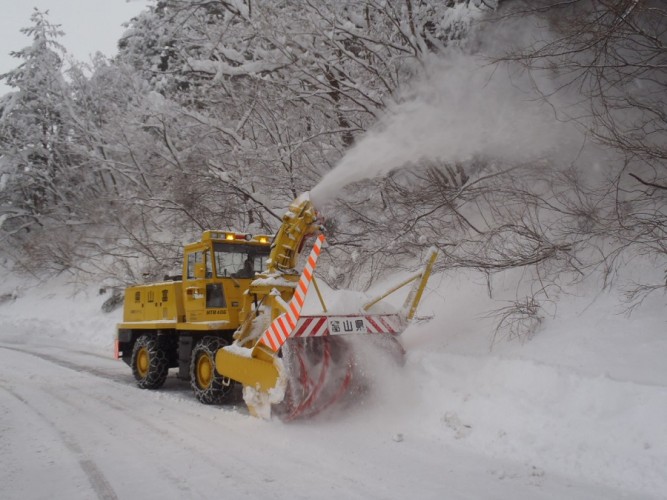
column 235, row 317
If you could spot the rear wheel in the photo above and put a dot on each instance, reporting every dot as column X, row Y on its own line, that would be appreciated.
column 207, row 384
column 150, row 363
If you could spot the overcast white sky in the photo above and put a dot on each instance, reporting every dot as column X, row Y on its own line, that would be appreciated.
column 89, row 26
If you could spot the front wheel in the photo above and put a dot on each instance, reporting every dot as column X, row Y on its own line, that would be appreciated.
column 207, row 384
column 150, row 363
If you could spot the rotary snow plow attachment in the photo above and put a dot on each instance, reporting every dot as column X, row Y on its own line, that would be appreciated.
column 323, row 371
column 295, row 365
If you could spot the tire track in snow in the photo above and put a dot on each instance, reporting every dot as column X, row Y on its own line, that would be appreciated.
column 160, row 428
column 99, row 419
column 113, row 377
column 106, row 418
column 96, row 478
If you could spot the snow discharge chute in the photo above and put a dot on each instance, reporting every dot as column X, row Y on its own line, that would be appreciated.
column 282, row 327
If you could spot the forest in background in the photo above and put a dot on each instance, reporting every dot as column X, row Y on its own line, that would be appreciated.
column 525, row 136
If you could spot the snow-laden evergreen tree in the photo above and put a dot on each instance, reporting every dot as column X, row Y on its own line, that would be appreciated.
column 35, row 152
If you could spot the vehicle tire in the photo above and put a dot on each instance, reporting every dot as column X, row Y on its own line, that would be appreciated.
column 150, row 363
column 208, row 385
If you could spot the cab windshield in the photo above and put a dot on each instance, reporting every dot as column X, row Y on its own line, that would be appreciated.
column 239, row 261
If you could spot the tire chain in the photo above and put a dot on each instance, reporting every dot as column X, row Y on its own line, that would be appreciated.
column 220, row 388
column 158, row 362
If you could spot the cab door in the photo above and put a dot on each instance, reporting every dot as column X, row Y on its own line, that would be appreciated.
column 197, row 269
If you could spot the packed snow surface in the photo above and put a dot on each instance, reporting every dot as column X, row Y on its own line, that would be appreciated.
column 576, row 412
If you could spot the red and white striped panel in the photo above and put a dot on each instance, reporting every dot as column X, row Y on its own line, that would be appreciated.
column 317, row 326
column 280, row 328
column 311, row 326
column 385, row 323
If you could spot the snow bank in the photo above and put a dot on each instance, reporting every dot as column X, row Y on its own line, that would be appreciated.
column 586, row 396
column 57, row 312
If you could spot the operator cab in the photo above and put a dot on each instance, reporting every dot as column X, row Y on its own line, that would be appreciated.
column 218, row 270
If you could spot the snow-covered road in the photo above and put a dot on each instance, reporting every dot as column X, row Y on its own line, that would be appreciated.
column 74, row 425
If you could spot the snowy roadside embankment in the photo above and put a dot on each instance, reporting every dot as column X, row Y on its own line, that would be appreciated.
column 57, row 312
column 585, row 398
column 554, row 419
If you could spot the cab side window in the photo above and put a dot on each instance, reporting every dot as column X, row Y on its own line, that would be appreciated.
column 199, row 257
column 209, row 264
column 191, row 265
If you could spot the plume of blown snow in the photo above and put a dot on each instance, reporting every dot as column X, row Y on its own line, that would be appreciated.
column 461, row 108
